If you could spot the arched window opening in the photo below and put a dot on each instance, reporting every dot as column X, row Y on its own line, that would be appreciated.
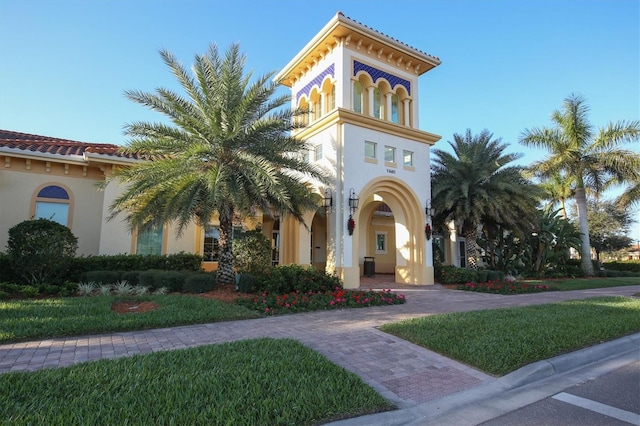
column 394, row 109
column 52, row 202
column 377, row 103
column 358, row 97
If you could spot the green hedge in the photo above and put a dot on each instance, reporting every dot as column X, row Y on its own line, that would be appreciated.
column 285, row 279
column 631, row 265
column 449, row 274
column 199, row 283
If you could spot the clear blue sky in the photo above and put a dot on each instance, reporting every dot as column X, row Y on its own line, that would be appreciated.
column 506, row 64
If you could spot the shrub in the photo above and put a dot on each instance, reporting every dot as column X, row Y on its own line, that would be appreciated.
column 199, row 283
column 632, row 265
column 172, row 280
column 29, row 291
column 289, row 278
column 41, row 250
column 133, row 262
column 494, row 276
column 252, row 252
column 7, row 272
column 483, row 276
column 450, row 274
column 132, row 277
column 102, row 277
column 247, row 283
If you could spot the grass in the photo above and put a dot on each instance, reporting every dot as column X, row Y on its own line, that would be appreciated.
column 589, row 283
column 252, row 382
column 499, row 341
column 44, row 318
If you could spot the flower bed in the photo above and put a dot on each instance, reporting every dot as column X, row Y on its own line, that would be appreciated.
column 273, row 304
column 505, row 287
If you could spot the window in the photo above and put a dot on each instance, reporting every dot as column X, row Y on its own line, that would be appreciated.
column 358, row 93
column 369, row 149
column 407, row 158
column 52, row 202
column 211, row 249
column 149, row 241
column 389, row 154
column 394, row 108
column 377, row 103
column 318, row 152
column 332, row 99
column 305, row 156
column 381, row 242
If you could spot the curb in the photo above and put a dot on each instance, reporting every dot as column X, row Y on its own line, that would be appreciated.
column 529, row 374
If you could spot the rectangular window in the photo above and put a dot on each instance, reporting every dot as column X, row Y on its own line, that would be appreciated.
column 211, row 249
column 389, row 154
column 381, row 242
column 369, row 149
column 149, row 241
column 318, row 152
column 407, row 158
column 305, row 156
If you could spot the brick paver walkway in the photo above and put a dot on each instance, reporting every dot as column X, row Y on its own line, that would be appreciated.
column 402, row 372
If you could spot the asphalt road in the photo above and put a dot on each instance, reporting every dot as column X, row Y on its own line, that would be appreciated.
column 611, row 399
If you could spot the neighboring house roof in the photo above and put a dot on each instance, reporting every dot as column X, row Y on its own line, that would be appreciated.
column 56, row 147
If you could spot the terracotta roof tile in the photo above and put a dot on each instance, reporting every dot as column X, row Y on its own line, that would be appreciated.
column 49, row 145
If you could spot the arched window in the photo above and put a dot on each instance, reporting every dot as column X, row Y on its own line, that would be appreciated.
column 332, row 98
column 52, row 202
column 377, row 103
column 394, row 109
column 358, row 96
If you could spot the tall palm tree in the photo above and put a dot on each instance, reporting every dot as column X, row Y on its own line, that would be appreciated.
column 228, row 150
column 475, row 185
column 591, row 159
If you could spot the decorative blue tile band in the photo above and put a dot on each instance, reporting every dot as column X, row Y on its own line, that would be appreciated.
column 316, row 81
column 376, row 74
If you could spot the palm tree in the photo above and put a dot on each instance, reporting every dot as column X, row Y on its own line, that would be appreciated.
column 630, row 196
column 228, row 150
column 558, row 188
column 590, row 159
column 474, row 186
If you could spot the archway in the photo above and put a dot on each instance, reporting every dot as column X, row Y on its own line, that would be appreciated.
column 408, row 241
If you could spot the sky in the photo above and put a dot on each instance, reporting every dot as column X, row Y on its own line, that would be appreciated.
column 506, row 64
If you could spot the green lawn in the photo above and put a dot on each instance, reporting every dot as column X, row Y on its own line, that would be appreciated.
column 29, row 319
column 567, row 284
column 254, row 382
column 499, row 341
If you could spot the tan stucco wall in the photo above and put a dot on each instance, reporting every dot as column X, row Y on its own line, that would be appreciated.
column 18, row 188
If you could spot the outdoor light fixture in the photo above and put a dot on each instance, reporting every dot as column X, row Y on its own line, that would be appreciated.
column 328, row 200
column 430, row 211
column 354, row 200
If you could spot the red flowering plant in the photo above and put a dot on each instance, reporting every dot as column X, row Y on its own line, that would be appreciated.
column 297, row 301
column 351, row 225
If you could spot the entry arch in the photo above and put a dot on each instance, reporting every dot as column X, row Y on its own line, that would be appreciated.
column 409, row 222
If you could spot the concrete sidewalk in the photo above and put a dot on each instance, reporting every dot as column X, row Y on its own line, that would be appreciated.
column 402, row 372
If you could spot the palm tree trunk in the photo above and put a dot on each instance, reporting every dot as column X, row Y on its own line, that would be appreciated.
column 470, row 248
column 585, row 250
column 225, row 273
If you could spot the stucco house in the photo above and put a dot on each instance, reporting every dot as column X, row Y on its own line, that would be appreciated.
column 362, row 88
